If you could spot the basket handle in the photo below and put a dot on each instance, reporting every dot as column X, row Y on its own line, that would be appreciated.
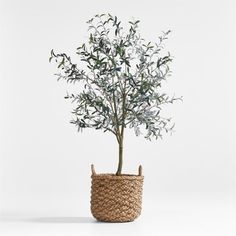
column 140, row 170
column 93, row 170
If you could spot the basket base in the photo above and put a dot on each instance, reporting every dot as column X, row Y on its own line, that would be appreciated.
column 114, row 221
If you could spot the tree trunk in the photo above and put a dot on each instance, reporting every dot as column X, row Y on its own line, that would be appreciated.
column 120, row 158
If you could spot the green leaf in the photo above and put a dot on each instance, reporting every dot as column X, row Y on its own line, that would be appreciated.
column 115, row 20
column 127, row 63
column 52, row 55
column 61, row 63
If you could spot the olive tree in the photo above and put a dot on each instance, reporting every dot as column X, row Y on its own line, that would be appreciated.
column 121, row 79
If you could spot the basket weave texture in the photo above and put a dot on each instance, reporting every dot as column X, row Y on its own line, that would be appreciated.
column 116, row 198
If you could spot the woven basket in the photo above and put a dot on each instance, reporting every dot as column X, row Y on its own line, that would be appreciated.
column 116, row 198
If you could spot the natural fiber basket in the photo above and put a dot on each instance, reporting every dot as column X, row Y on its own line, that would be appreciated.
column 116, row 198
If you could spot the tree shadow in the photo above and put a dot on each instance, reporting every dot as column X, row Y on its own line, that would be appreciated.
column 56, row 219
column 81, row 220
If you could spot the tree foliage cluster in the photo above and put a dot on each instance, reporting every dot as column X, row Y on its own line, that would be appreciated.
column 121, row 81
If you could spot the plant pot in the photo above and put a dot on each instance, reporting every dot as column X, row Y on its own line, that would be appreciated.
column 116, row 198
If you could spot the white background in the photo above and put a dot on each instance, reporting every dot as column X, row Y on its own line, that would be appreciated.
column 190, row 177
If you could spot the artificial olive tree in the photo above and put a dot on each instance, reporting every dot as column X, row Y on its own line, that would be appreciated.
column 121, row 81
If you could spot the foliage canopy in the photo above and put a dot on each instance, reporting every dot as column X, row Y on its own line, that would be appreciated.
column 121, row 78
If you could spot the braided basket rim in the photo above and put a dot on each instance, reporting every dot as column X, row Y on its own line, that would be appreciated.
column 117, row 177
